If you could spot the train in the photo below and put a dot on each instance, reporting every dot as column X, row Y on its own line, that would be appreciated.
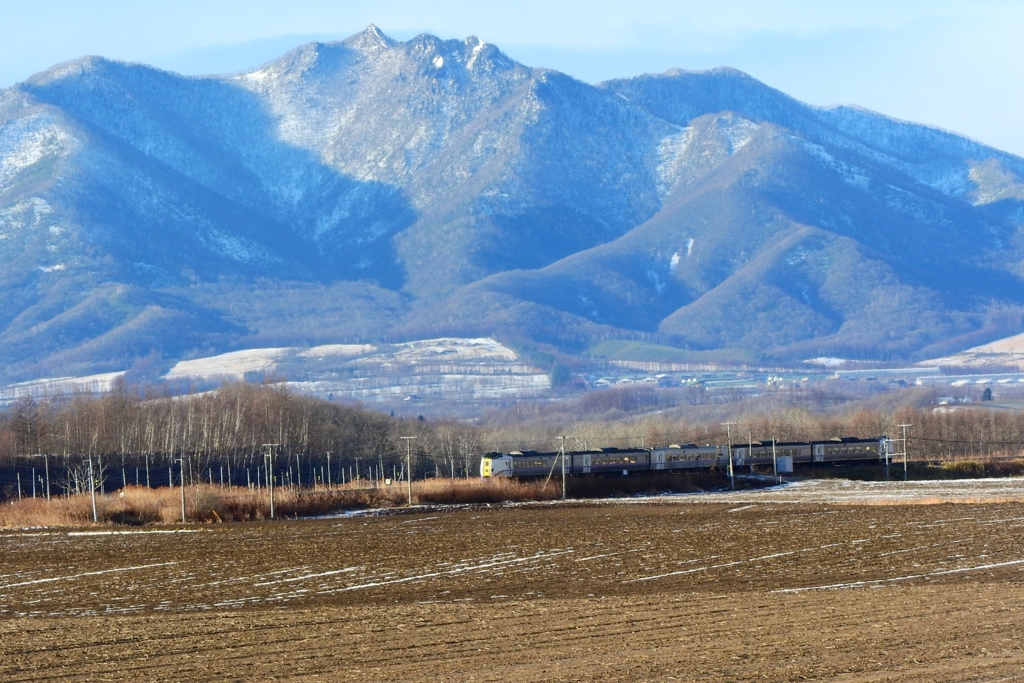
column 527, row 464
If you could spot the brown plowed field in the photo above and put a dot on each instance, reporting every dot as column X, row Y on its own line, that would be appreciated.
column 596, row 592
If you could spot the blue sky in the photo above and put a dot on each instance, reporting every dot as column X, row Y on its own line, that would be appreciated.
column 954, row 64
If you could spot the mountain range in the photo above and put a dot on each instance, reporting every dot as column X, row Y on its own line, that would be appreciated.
column 376, row 190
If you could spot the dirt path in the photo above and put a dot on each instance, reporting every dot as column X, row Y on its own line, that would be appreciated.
column 717, row 592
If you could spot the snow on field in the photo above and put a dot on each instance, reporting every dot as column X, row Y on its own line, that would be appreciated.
column 228, row 365
column 845, row 492
column 447, row 367
column 803, row 536
column 133, row 532
column 1008, row 351
column 337, row 351
column 7, row 586
column 59, row 385
column 430, row 350
column 910, row 577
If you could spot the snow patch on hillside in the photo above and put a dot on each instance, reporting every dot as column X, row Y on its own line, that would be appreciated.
column 1008, row 352
column 451, row 368
column 672, row 159
column 337, row 351
column 55, row 386
column 28, row 215
column 229, row 365
column 851, row 175
column 236, row 248
column 739, row 132
column 27, row 141
column 451, row 348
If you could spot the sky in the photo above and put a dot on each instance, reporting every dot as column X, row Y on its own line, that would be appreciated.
column 947, row 63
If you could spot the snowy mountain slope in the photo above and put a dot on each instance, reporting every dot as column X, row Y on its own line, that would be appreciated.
column 770, row 243
column 355, row 190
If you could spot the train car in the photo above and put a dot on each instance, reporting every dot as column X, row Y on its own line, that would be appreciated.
column 687, row 456
column 524, row 464
column 845, row 449
column 606, row 460
column 760, row 452
column 519, row 464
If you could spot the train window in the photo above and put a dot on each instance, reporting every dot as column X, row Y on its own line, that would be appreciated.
column 528, row 463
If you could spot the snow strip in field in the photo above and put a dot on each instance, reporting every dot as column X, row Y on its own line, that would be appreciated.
column 752, row 559
column 1002, row 521
column 131, row 533
column 596, row 557
column 713, row 566
column 309, row 576
column 458, row 570
column 78, row 576
column 873, row 582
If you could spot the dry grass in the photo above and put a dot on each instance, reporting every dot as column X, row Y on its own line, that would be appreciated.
column 466, row 491
column 136, row 505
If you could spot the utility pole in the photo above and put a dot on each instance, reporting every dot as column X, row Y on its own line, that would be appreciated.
column 408, row 464
column 92, row 490
column 728, row 432
column 182, row 461
column 750, row 450
column 46, row 462
column 562, row 450
column 888, row 446
column 268, row 463
column 328, row 469
column 904, row 426
column 775, row 463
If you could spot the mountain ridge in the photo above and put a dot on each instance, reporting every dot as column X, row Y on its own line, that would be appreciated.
column 371, row 187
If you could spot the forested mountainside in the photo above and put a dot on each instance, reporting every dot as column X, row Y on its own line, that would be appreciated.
column 376, row 189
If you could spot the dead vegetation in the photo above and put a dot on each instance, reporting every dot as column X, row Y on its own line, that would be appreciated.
column 205, row 503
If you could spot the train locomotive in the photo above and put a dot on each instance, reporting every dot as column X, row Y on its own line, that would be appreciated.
column 526, row 464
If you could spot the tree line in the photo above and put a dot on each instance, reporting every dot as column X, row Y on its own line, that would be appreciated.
column 228, row 432
column 225, row 435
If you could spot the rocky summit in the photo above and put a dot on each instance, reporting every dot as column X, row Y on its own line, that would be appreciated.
column 374, row 190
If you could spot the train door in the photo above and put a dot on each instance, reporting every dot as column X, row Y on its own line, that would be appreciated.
column 818, row 452
column 586, row 463
column 657, row 460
